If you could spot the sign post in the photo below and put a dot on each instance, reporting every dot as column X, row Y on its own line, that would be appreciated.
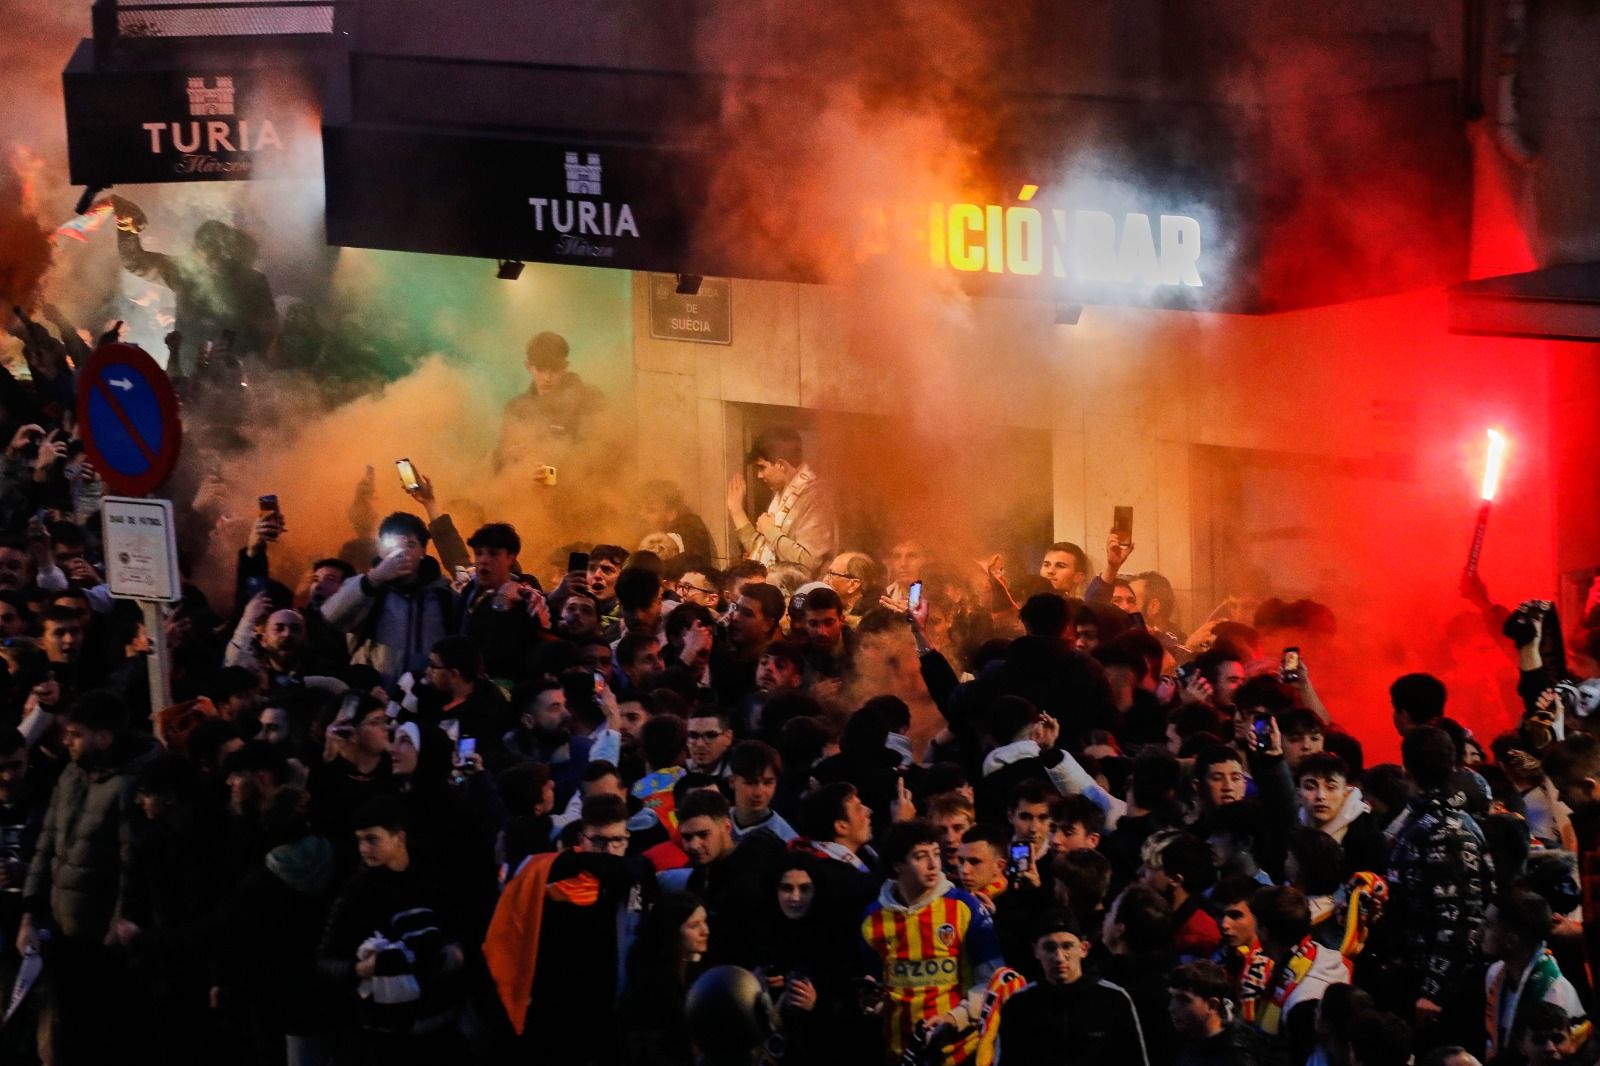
column 128, row 419
column 141, row 551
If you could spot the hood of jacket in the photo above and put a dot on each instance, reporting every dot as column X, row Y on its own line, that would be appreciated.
column 891, row 902
column 1006, row 754
column 305, row 865
column 1354, row 806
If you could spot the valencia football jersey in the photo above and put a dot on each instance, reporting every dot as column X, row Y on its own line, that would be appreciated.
column 931, row 955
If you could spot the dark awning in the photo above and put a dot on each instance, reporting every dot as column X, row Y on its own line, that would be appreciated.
column 1169, row 199
column 1559, row 303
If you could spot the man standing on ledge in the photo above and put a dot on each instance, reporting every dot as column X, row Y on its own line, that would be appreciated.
column 556, row 411
column 798, row 525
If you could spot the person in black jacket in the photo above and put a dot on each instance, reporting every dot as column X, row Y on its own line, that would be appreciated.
column 388, row 937
column 664, row 959
column 1201, row 1006
column 262, row 942
column 1440, row 880
column 1136, row 934
column 727, row 875
column 1069, row 1017
column 1330, row 803
column 663, row 509
column 501, row 608
column 806, row 973
column 456, row 690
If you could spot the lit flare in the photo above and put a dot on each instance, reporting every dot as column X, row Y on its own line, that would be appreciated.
column 1493, row 463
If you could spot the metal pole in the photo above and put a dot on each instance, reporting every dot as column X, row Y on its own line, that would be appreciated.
column 155, row 626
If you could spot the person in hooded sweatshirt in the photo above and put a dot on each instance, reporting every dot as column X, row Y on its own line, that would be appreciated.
column 401, row 608
column 1329, row 802
column 933, row 987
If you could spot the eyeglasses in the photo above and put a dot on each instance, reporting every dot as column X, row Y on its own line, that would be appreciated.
column 684, row 586
column 600, row 841
column 841, row 577
column 706, row 738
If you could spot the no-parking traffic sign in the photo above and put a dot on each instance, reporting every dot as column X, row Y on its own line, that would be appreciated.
column 128, row 419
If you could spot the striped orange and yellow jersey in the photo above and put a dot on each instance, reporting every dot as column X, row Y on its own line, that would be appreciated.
column 930, row 955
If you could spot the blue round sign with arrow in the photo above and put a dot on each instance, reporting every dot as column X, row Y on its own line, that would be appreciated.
column 128, row 418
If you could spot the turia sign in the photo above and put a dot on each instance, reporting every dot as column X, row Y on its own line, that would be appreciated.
column 230, row 123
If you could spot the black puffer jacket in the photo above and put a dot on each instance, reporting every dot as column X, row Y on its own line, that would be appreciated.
column 1440, row 880
column 81, row 866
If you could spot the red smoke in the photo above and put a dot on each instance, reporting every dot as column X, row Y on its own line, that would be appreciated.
column 24, row 245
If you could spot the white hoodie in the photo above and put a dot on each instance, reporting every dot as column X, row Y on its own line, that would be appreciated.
column 1068, row 776
column 1354, row 807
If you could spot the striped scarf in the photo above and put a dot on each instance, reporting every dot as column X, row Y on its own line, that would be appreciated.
column 762, row 550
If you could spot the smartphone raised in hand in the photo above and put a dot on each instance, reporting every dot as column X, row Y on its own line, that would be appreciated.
column 914, row 595
column 267, row 505
column 578, row 563
column 1122, row 524
column 1289, row 672
column 408, row 475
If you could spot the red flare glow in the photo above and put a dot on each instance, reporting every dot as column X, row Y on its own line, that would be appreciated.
column 1493, row 462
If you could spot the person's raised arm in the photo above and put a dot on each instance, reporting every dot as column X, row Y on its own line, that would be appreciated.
column 1100, row 587
column 743, row 528
column 442, row 530
column 252, row 562
column 1307, row 694
column 136, row 258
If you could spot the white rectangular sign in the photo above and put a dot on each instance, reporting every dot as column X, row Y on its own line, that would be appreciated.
column 141, row 549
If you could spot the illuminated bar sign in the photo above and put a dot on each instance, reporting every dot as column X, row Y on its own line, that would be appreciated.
column 1092, row 246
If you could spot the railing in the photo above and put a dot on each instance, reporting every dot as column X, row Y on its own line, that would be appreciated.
column 120, row 20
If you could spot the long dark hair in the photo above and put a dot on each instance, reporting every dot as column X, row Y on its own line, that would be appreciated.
column 794, row 860
column 656, row 953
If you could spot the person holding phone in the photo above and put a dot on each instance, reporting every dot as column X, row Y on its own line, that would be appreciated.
column 447, row 543
column 558, row 409
column 501, row 607
column 398, row 609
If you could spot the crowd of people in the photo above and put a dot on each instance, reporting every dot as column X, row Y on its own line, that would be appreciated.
column 429, row 800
